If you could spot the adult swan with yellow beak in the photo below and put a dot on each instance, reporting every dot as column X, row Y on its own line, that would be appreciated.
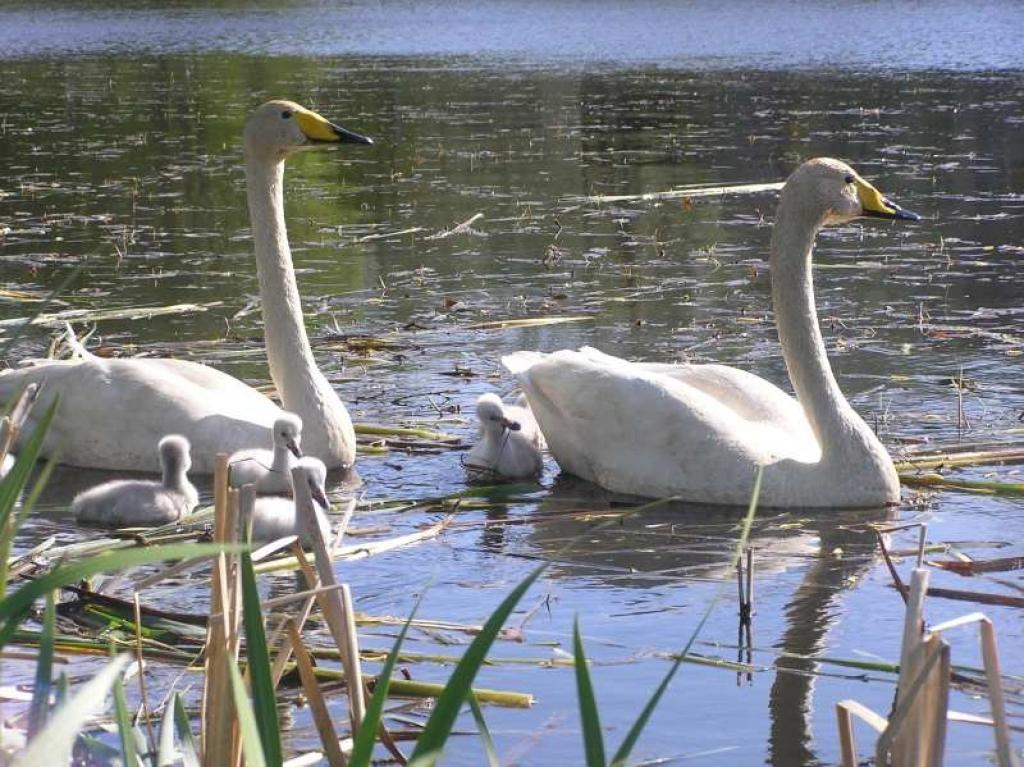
column 113, row 412
column 699, row 432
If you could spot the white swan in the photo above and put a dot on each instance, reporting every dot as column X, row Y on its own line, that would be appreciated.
column 274, row 517
column 700, row 431
column 216, row 412
column 270, row 470
column 135, row 502
column 510, row 443
column 6, row 464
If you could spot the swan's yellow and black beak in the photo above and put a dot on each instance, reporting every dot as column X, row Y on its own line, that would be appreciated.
column 875, row 205
column 320, row 130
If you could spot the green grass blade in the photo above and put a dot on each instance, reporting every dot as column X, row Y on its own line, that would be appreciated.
column 187, row 743
column 165, row 755
column 14, row 608
column 124, row 724
column 362, row 748
column 264, row 699
column 485, row 734
column 439, row 726
column 634, row 733
column 12, row 485
column 252, row 744
column 53, row 745
column 590, row 720
column 40, row 706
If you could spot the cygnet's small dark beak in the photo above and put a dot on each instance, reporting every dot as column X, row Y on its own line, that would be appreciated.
column 319, row 497
column 349, row 137
column 293, row 448
column 511, row 425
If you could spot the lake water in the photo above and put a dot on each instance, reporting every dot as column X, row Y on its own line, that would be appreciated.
column 119, row 154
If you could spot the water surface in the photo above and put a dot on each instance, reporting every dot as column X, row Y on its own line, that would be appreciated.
column 119, row 154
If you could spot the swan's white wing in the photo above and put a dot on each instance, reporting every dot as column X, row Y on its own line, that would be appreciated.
column 113, row 412
column 636, row 431
column 769, row 409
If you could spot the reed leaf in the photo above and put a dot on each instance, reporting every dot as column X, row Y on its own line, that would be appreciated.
column 124, row 724
column 485, row 734
column 183, row 727
column 264, row 701
column 439, row 726
column 54, row 744
column 165, row 754
column 252, row 744
column 590, row 720
column 634, row 733
column 40, row 706
column 12, row 485
column 362, row 748
column 16, row 605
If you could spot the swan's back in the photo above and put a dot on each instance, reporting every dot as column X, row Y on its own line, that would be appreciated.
column 216, row 412
column 130, row 503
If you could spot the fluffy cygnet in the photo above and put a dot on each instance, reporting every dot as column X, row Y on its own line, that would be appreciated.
column 137, row 502
column 270, row 470
column 510, row 443
column 275, row 517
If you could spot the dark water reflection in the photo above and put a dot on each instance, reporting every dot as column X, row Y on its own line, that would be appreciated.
column 129, row 168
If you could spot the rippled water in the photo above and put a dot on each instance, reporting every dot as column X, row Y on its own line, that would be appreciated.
column 119, row 153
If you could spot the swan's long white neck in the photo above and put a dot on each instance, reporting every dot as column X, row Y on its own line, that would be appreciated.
column 829, row 414
column 327, row 428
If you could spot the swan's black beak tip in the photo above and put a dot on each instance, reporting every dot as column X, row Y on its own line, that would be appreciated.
column 906, row 215
column 294, row 449
column 346, row 136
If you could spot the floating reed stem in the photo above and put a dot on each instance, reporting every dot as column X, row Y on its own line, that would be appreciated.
column 321, row 716
column 336, row 605
column 966, row 485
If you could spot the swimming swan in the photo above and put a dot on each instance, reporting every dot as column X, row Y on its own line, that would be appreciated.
column 270, row 470
column 699, row 431
column 215, row 411
column 274, row 517
column 135, row 502
column 510, row 443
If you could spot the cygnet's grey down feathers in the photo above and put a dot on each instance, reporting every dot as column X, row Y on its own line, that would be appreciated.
column 510, row 443
column 137, row 502
column 276, row 517
column 270, row 470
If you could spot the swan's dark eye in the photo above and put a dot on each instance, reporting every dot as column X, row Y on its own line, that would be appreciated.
column 849, row 179
column 286, row 114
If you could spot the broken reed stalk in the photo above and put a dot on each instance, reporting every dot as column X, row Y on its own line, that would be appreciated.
column 336, row 606
column 700, row 190
column 321, row 716
column 220, row 735
column 967, row 485
column 458, row 229
column 285, row 650
column 954, row 459
column 993, row 680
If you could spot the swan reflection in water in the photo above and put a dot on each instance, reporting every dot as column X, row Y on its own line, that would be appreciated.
column 676, row 543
